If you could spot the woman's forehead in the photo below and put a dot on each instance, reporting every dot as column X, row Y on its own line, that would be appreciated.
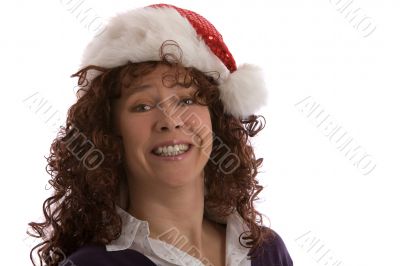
column 150, row 88
column 172, row 77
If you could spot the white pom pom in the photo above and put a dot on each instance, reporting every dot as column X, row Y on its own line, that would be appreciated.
column 244, row 91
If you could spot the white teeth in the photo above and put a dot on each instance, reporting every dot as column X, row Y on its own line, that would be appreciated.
column 172, row 150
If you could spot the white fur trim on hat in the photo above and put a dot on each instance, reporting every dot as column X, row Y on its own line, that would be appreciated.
column 137, row 35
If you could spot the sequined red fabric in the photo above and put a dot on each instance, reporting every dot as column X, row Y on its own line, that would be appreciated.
column 208, row 33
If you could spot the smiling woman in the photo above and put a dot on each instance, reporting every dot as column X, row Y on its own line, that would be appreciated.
column 164, row 125
column 178, row 180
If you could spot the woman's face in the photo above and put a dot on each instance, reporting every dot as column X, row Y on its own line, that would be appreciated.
column 152, row 118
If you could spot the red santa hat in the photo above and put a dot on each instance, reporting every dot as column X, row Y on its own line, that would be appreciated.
column 137, row 35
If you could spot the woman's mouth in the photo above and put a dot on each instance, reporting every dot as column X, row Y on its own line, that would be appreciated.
column 172, row 152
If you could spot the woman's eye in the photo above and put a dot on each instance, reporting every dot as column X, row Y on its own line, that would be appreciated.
column 146, row 107
column 141, row 108
column 187, row 101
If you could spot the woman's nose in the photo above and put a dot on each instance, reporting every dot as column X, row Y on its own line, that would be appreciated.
column 169, row 118
column 166, row 124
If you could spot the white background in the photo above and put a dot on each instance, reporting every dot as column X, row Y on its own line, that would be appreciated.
column 313, row 192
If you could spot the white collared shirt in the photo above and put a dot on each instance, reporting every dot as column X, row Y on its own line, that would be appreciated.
column 135, row 235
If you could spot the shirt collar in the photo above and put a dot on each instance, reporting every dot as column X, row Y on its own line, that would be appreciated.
column 134, row 230
column 129, row 231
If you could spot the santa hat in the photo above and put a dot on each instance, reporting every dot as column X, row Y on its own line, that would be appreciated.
column 137, row 35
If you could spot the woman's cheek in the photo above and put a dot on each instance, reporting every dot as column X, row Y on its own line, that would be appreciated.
column 198, row 125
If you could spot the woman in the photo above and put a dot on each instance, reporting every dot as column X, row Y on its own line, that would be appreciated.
column 154, row 165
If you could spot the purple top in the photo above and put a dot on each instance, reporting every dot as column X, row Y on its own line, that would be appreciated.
column 274, row 254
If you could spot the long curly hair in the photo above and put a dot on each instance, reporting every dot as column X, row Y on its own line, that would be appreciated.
column 88, row 177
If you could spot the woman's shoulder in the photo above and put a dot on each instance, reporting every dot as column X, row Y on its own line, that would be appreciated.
column 97, row 255
column 272, row 251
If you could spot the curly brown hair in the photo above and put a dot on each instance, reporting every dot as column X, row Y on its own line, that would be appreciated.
column 88, row 177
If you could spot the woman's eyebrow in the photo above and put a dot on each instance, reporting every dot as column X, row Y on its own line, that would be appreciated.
column 136, row 89
column 141, row 88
